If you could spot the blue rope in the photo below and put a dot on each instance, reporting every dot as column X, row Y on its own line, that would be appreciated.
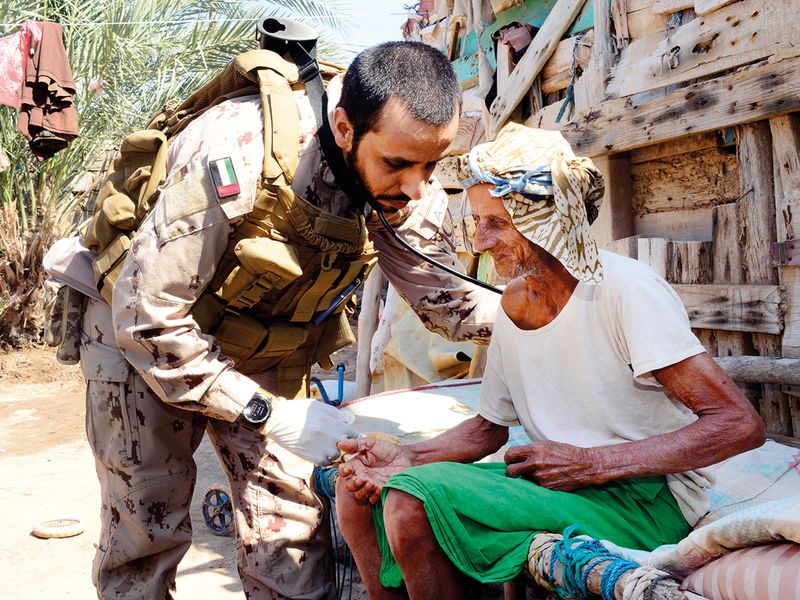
column 610, row 576
column 578, row 558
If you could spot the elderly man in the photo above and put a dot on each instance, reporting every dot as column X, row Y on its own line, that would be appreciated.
column 593, row 355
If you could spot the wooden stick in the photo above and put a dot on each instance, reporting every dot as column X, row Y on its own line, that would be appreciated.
column 367, row 324
column 761, row 369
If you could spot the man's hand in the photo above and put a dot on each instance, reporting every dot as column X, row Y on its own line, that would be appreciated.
column 374, row 462
column 309, row 428
column 553, row 465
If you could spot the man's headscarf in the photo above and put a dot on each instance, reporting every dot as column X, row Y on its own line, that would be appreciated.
column 551, row 195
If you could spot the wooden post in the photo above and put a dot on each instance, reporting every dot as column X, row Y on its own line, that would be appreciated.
column 786, row 148
column 590, row 89
column 757, row 229
column 367, row 324
column 727, row 269
column 615, row 220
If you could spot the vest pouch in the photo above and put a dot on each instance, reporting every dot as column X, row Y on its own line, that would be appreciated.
column 239, row 336
column 283, row 340
column 108, row 263
column 264, row 264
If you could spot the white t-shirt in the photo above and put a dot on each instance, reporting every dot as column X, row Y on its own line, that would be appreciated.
column 584, row 378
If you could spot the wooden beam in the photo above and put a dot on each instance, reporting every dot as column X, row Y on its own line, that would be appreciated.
column 768, row 90
column 761, row 369
column 542, row 47
column 665, row 7
column 737, row 35
column 703, row 7
column 684, row 145
column 688, row 181
column 733, row 307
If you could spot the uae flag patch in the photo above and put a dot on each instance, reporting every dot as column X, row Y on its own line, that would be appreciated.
column 224, row 177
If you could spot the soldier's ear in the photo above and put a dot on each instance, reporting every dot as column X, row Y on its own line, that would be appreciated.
column 342, row 129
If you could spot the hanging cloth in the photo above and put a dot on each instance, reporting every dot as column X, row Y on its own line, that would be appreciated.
column 13, row 53
column 47, row 116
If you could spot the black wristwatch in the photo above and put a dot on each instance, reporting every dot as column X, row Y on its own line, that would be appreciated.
column 256, row 412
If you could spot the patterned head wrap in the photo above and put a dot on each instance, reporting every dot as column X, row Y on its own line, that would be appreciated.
column 552, row 196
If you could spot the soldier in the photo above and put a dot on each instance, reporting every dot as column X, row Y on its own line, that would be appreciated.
column 233, row 288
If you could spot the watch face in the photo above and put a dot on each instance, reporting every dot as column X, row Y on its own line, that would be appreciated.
column 257, row 410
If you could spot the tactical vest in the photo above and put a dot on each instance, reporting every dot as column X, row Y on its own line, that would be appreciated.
column 284, row 289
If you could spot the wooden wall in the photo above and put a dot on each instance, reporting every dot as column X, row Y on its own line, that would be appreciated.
column 691, row 108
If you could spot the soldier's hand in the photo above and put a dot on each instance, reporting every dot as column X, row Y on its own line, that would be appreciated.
column 309, row 428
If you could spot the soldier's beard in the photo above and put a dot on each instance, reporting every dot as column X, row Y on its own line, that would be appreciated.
column 358, row 175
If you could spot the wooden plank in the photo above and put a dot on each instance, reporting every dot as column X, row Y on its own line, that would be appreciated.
column 546, row 118
column 675, row 225
column 739, row 34
column 785, row 132
column 727, row 251
column 756, row 207
column 790, row 344
column 590, row 87
column 684, row 145
column 689, row 262
column 756, row 218
column 619, row 17
column 665, row 7
column 628, row 246
column 786, row 150
column 727, row 268
column 618, row 125
column 733, row 307
column 686, row 181
column 703, row 7
column 643, row 23
column 557, row 71
column 761, row 369
column 504, row 68
column 653, row 252
column 530, row 65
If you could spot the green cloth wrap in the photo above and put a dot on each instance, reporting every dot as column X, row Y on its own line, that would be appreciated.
column 485, row 521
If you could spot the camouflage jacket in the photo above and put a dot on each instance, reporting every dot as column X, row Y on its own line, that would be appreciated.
column 176, row 250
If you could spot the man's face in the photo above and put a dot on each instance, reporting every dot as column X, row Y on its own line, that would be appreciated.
column 496, row 234
column 395, row 159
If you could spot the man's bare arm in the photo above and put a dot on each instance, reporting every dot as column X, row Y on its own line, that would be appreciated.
column 727, row 425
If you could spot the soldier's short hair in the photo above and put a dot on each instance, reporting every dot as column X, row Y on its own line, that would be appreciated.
column 417, row 74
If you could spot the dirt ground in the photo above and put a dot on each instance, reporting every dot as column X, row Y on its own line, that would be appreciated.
column 47, row 471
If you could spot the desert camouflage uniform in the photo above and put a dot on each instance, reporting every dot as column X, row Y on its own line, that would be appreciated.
column 145, row 422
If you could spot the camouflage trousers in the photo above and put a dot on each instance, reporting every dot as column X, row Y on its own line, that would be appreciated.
column 143, row 451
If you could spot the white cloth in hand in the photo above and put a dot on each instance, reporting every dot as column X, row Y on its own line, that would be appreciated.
column 309, row 428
